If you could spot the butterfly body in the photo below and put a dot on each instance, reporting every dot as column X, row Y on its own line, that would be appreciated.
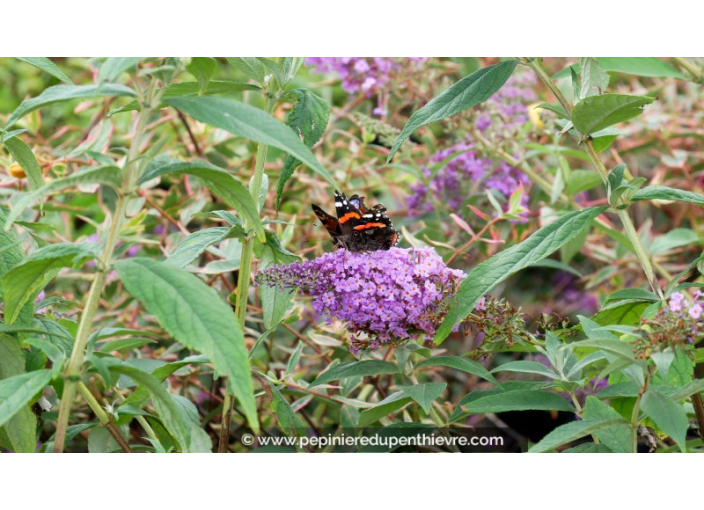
column 357, row 228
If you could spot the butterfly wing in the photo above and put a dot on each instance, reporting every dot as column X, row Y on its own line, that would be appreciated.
column 347, row 214
column 329, row 222
column 374, row 231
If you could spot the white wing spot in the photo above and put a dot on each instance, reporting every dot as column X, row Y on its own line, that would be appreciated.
column 338, row 204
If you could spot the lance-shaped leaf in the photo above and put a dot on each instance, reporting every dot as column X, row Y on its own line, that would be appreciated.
column 25, row 157
column 469, row 91
column 105, row 175
column 599, row 112
column 60, row 93
column 356, row 369
column 16, row 392
column 173, row 416
column 665, row 193
column 195, row 315
column 573, row 431
column 48, row 66
column 20, row 429
column 249, row 122
column 218, row 180
column 308, row 118
column 487, row 275
column 38, row 269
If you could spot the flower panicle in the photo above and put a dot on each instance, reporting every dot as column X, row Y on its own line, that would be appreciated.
column 384, row 296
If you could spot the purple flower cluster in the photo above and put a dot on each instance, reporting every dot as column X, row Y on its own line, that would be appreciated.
column 364, row 74
column 384, row 296
column 500, row 118
column 467, row 173
column 361, row 74
column 679, row 304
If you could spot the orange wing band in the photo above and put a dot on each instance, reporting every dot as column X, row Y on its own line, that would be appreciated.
column 369, row 225
column 349, row 216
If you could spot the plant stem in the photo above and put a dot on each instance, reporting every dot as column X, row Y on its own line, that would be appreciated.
column 72, row 374
column 103, row 417
column 244, row 276
column 599, row 165
column 636, row 413
column 691, row 70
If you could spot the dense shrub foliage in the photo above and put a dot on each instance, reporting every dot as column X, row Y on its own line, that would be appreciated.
column 166, row 286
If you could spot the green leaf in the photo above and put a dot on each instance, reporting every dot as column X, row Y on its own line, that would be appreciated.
column 355, row 369
column 667, row 414
column 171, row 414
column 38, row 269
column 309, row 119
column 195, row 315
column 101, row 441
column 573, row 431
column 674, row 239
column 291, row 67
column 290, row 424
column 275, row 303
column 223, row 184
column 191, row 88
column 25, row 157
column 622, row 389
column 252, row 68
column 526, row 367
column 637, row 66
column 249, row 122
column 594, row 79
column 424, row 394
column 124, row 344
column 555, row 108
column 59, row 93
column 681, row 371
column 612, row 346
column 105, row 175
column 618, row 437
column 639, row 294
column 487, row 275
column 113, row 67
column 16, row 392
column 696, row 386
column 20, row 429
column 141, row 395
column 390, row 404
column 469, row 91
column 598, row 112
column 616, row 177
column 463, row 364
column 519, row 400
column 641, row 66
column 556, row 264
column 665, row 193
column 197, row 242
column 202, row 68
column 48, row 66
column 626, row 313
column 589, row 448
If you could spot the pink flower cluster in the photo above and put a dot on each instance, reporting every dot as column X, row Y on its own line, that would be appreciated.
column 370, row 75
column 678, row 303
column 383, row 295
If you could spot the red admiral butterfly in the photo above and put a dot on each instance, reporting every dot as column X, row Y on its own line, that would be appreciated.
column 357, row 228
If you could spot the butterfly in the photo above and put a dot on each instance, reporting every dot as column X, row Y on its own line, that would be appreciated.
column 357, row 228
